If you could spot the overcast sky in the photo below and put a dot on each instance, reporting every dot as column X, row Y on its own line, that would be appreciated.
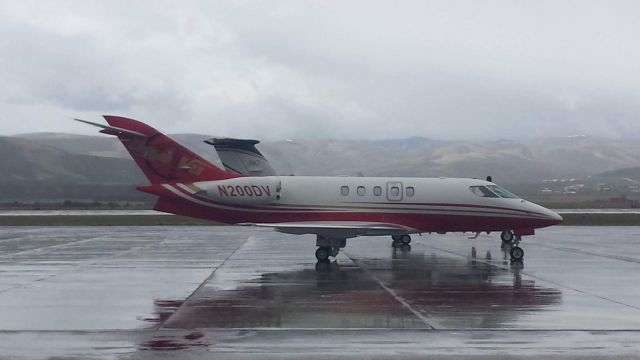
column 338, row 69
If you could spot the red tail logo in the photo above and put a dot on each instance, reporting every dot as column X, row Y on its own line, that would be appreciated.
column 161, row 158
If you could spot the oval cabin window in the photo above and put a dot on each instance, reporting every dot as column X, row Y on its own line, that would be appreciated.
column 361, row 190
column 410, row 191
column 344, row 190
column 377, row 191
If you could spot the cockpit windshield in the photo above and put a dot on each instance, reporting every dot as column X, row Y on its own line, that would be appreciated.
column 503, row 193
column 492, row 191
column 482, row 191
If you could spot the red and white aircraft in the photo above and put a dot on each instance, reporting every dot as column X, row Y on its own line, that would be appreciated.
column 248, row 192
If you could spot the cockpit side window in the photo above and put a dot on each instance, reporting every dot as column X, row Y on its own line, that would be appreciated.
column 482, row 191
column 503, row 193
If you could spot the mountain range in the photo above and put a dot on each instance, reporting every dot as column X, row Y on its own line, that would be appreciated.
column 54, row 166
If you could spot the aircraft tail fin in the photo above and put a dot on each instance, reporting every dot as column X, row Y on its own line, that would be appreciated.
column 161, row 158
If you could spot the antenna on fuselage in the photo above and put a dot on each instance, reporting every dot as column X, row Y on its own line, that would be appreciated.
column 489, row 178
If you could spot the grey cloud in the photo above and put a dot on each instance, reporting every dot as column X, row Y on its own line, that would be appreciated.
column 449, row 69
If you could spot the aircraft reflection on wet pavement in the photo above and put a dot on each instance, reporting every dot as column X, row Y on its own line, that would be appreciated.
column 444, row 291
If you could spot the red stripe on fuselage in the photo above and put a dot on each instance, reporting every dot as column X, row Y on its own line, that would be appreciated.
column 454, row 205
column 310, row 208
column 209, row 210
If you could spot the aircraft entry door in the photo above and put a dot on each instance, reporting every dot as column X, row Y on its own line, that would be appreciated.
column 394, row 191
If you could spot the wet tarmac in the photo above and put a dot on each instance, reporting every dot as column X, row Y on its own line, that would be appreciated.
column 238, row 293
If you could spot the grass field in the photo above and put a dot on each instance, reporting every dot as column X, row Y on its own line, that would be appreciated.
column 155, row 220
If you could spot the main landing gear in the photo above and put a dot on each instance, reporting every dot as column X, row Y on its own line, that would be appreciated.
column 328, row 247
column 510, row 239
column 324, row 252
column 400, row 240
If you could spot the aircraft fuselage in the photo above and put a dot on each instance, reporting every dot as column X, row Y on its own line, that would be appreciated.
column 422, row 204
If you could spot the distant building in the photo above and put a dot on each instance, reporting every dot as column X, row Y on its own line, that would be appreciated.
column 572, row 189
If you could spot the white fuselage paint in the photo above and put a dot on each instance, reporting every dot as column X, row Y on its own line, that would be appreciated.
column 430, row 195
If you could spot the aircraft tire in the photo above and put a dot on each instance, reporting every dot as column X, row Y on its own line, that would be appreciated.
column 507, row 237
column 516, row 253
column 323, row 253
column 405, row 239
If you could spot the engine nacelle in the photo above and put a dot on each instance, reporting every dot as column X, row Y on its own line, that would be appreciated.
column 243, row 190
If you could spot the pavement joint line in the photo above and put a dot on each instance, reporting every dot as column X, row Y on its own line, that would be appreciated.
column 392, row 292
column 611, row 257
column 536, row 277
column 9, row 256
column 161, row 326
column 584, row 292
column 79, row 265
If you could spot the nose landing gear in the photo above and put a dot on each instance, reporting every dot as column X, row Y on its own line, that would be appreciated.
column 507, row 236
column 516, row 253
column 512, row 240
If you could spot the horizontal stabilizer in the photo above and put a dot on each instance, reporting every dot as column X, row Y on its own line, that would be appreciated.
column 112, row 130
column 161, row 159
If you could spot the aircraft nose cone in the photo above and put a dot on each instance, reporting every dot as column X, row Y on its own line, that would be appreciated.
column 555, row 217
column 550, row 216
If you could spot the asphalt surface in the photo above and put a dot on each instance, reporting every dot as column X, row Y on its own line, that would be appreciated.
column 241, row 293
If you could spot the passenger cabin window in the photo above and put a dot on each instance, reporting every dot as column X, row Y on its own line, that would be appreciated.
column 361, row 191
column 395, row 191
column 344, row 190
column 410, row 191
column 482, row 191
column 377, row 191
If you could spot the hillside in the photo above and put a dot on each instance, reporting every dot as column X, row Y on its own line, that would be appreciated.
column 46, row 160
column 27, row 160
column 509, row 161
column 35, row 171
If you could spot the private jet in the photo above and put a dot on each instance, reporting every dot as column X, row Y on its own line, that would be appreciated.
column 246, row 190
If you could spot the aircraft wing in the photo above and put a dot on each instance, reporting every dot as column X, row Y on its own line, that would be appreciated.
column 346, row 229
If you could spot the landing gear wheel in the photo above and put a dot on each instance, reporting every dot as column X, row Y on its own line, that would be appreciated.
column 405, row 239
column 507, row 237
column 516, row 253
column 323, row 253
column 335, row 251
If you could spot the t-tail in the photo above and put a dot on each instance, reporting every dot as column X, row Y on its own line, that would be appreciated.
column 161, row 158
